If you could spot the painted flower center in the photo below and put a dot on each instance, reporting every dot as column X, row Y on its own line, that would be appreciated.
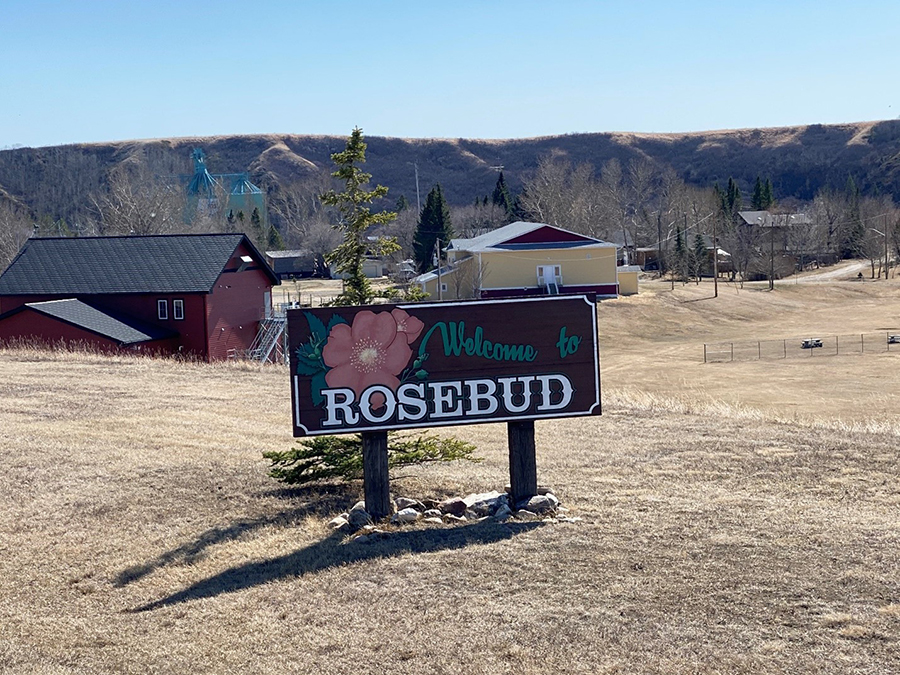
column 366, row 356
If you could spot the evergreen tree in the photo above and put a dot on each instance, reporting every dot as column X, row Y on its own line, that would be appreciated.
column 768, row 198
column 256, row 228
column 699, row 255
column 733, row 198
column 274, row 242
column 434, row 224
column 356, row 218
column 757, row 201
column 402, row 203
column 501, row 196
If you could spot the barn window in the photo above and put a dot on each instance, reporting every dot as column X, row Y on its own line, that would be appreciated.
column 162, row 309
column 178, row 310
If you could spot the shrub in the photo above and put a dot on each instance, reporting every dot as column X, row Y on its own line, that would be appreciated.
column 325, row 458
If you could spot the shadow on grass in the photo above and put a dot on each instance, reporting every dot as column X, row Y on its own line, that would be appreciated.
column 319, row 501
column 335, row 551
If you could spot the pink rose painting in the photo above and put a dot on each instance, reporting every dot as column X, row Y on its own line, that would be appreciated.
column 374, row 349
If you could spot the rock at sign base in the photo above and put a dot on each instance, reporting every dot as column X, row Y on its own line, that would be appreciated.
column 450, row 518
column 454, row 505
column 358, row 518
column 339, row 523
column 503, row 513
column 539, row 504
column 486, row 503
column 362, row 539
column 433, row 520
column 409, row 515
column 432, row 513
column 527, row 516
column 407, row 503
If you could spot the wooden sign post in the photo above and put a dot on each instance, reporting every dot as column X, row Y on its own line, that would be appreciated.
column 376, row 484
column 522, row 460
column 372, row 369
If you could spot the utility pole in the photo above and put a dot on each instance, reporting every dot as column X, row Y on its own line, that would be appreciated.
column 885, row 227
column 418, row 201
column 715, row 261
column 437, row 245
column 772, row 256
column 659, row 263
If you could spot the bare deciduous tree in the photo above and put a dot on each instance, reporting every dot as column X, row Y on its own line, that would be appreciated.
column 138, row 202
column 15, row 228
column 563, row 195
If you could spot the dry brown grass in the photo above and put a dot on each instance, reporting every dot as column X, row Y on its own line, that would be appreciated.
column 140, row 534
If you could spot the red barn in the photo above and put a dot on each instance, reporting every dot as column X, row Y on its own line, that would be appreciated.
column 201, row 295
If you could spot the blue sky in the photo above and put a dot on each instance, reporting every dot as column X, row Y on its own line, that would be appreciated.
column 91, row 70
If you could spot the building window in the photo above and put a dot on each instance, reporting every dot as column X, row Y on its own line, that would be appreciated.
column 162, row 309
column 178, row 310
column 443, row 288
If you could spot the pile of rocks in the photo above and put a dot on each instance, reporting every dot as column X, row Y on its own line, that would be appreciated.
column 496, row 506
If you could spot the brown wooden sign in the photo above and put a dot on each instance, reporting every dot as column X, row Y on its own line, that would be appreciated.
column 419, row 365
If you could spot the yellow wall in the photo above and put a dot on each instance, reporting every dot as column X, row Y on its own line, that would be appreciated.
column 459, row 283
column 517, row 269
column 628, row 283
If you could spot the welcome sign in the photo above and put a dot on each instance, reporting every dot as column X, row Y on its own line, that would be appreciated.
column 384, row 367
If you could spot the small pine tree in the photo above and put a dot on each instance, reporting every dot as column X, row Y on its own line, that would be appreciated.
column 434, row 224
column 356, row 218
column 256, row 227
column 274, row 242
column 402, row 204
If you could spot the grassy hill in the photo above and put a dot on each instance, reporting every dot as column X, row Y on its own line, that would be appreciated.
column 737, row 518
column 59, row 180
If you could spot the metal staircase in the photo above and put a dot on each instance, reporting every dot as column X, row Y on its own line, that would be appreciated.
column 268, row 344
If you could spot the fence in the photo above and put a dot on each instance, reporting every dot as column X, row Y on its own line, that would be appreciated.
column 802, row 348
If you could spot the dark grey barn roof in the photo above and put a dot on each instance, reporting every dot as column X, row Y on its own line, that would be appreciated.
column 178, row 263
column 123, row 330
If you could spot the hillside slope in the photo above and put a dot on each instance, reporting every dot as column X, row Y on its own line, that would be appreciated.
column 58, row 181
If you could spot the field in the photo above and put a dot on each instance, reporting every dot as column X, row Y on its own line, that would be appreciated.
column 737, row 517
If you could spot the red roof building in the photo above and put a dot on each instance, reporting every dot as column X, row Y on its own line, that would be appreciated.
column 200, row 295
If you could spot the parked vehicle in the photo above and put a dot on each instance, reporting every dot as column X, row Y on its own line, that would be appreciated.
column 811, row 343
column 894, row 339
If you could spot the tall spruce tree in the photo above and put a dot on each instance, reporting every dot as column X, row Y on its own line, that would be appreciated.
column 733, row 197
column 699, row 256
column 501, row 196
column 757, row 201
column 434, row 224
column 768, row 198
column 356, row 218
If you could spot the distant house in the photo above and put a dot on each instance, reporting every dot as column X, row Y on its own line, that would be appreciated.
column 774, row 228
column 373, row 267
column 297, row 263
column 201, row 295
column 523, row 259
